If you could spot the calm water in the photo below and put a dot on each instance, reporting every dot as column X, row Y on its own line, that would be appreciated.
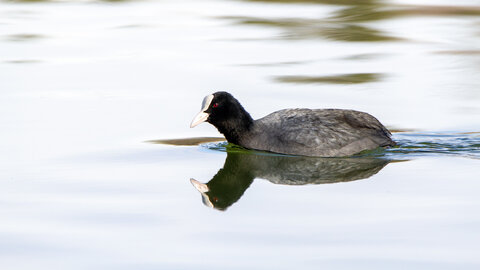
column 86, row 86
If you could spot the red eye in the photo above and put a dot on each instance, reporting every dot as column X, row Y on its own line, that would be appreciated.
column 215, row 105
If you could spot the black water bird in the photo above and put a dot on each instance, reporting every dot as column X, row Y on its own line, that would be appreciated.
column 305, row 132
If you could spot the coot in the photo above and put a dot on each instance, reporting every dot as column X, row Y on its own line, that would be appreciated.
column 306, row 132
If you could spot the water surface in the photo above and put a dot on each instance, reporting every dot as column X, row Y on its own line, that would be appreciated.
column 86, row 86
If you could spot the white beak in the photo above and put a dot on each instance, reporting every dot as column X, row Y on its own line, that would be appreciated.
column 199, row 118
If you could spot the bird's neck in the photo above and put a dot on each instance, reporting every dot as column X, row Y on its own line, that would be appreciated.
column 236, row 128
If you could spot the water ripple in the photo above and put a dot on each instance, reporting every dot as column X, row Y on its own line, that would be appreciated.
column 409, row 145
column 459, row 144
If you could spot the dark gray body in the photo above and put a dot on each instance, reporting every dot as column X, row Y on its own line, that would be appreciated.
column 321, row 132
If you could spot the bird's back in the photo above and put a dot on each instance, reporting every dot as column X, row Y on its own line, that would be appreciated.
column 321, row 132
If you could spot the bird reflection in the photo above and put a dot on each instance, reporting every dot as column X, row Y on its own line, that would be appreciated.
column 240, row 169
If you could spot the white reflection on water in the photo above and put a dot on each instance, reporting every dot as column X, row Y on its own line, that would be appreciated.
column 84, row 83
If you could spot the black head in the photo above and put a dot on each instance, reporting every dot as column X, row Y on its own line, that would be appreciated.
column 223, row 111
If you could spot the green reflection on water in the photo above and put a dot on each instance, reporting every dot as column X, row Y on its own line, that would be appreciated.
column 337, row 79
column 355, row 33
column 344, row 25
column 311, row 29
column 362, row 13
column 328, row 2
